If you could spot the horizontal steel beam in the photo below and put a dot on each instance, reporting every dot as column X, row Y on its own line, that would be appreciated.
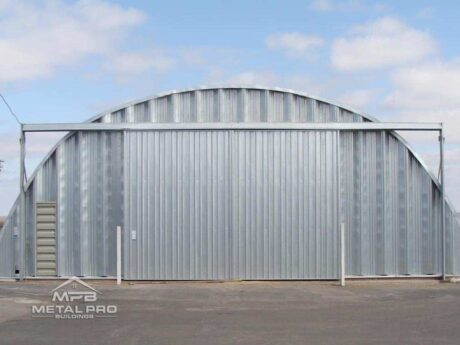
column 323, row 126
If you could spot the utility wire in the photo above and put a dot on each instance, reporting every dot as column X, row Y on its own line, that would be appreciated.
column 19, row 122
column 11, row 110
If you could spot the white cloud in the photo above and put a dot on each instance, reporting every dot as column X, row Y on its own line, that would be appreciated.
column 383, row 43
column 433, row 84
column 358, row 98
column 294, row 44
column 428, row 92
column 37, row 38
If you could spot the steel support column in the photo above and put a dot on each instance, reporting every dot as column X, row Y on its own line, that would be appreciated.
column 22, row 207
column 443, row 202
column 340, row 245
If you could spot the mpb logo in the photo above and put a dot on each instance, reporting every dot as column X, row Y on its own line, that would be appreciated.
column 61, row 295
column 74, row 299
column 74, row 296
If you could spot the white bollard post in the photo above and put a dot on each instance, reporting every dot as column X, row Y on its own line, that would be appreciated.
column 118, row 255
column 342, row 254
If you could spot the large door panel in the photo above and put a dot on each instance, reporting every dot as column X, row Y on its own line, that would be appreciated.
column 285, row 209
column 207, row 205
column 177, row 205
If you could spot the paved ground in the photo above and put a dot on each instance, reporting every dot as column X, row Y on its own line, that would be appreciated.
column 377, row 312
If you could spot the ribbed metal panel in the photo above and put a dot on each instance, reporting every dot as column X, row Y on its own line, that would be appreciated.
column 452, row 242
column 90, row 201
column 284, row 205
column 391, row 208
column 177, row 203
column 231, row 205
column 262, row 181
column 8, row 246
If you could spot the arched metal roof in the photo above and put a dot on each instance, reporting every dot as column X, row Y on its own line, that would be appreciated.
column 364, row 116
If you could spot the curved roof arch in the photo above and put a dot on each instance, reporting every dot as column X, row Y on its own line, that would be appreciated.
column 363, row 115
column 114, row 109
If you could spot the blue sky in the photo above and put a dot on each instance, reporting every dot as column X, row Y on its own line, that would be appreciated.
column 68, row 60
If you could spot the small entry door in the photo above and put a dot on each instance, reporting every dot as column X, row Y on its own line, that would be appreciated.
column 45, row 239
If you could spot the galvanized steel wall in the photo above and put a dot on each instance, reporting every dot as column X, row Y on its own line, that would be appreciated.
column 391, row 208
column 84, row 177
column 90, row 203
column 390, row 203
column 177, row 201
column 8, row 246
column 231, row 205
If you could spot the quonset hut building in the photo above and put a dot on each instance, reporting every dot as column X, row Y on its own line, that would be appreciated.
column 206, row 204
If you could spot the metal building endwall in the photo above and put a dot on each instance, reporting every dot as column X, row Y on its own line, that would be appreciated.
column 267, row 188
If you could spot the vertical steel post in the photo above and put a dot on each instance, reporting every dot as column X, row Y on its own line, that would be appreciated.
column 22, row 205
column 342, row 254
column 443, row 202
column 340, row 224
column 118, row 255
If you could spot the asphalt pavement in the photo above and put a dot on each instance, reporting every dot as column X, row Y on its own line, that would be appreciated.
column 363, row 312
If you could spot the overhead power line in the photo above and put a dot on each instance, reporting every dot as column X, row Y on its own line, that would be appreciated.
column 11, row 110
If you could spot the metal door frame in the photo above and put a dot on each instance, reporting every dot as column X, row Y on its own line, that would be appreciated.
column 326, row 126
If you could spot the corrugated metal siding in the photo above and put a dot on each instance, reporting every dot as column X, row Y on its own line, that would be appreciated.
column 236, row 105
column 231, row 205
column 452, row 242
column 391, row 208
column 90, row 201
column 389, row 202
column 8, row 246
column 284, row 207
column 177, row 197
